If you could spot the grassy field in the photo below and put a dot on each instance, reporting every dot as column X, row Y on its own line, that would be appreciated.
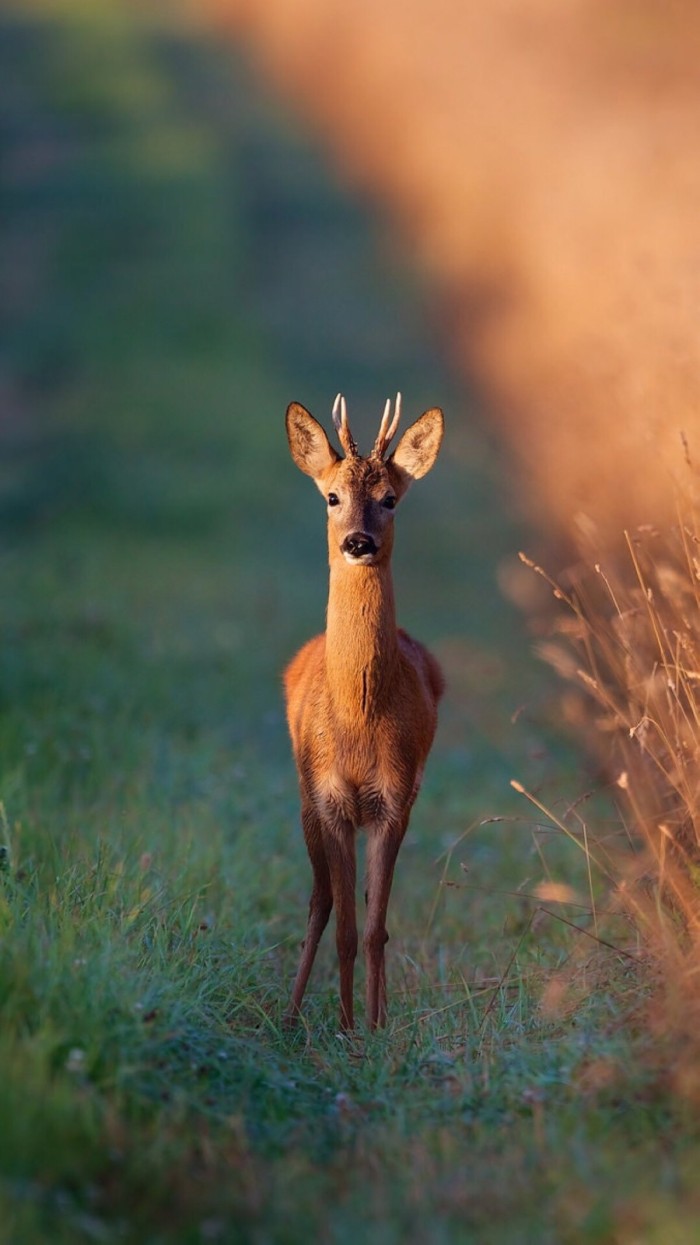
column 177, row 264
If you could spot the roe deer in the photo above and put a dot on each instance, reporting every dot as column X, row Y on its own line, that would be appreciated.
column 361, row 699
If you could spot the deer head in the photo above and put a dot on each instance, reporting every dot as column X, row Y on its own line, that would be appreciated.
column 362, row 492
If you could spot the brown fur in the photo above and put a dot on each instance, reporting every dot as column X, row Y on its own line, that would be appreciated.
column 361, row 705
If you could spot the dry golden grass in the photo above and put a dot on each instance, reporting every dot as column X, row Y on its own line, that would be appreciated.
column 626, row 638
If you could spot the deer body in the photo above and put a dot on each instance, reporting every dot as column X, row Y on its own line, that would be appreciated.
column 361, row 699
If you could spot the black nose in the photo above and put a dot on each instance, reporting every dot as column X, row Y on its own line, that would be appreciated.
column 358, row 544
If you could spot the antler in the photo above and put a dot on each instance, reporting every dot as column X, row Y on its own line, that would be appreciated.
column 342, row 427
column 386, row 429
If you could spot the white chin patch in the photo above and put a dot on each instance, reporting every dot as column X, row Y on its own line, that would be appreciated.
column 366, row 560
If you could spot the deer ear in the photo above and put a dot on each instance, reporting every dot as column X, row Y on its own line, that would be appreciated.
column 308, row 443
column 418, row 448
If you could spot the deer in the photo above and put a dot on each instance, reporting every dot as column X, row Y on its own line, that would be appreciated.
column 361, row 698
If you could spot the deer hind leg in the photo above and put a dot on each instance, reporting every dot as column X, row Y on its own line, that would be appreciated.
column 320, row 905
column 382, row 849
column 340, row 853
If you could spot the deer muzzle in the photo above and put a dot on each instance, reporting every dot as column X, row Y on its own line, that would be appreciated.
column 359, row 546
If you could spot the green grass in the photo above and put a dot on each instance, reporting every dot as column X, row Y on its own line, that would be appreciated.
column 177, row 266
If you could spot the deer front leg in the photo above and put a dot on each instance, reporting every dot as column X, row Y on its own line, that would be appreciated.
column 382, row 849
column 340, row 853
column 320, row 905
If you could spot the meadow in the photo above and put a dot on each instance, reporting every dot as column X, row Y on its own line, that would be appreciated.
column 178, row 264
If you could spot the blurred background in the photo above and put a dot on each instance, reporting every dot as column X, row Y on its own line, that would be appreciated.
column 542, row 161
column 179, row 261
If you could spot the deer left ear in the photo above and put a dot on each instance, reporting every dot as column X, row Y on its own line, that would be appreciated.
column 419, row 446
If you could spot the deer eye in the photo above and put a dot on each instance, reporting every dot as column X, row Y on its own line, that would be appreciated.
column 389, row 501
column 333, row 499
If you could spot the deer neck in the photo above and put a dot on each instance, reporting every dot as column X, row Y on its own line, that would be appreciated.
column 361, row 637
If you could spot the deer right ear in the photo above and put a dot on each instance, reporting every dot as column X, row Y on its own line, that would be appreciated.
column 308, row 443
